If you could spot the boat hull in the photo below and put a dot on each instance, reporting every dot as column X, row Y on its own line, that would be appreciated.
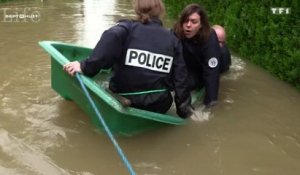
column 119, row 119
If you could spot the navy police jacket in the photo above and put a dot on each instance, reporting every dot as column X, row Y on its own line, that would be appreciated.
column 144, row 57
column 225, row 59
column 203, row 62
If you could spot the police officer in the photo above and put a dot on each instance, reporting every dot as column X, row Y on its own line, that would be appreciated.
column 225, row 53
column 201, row 51
column 146, row 59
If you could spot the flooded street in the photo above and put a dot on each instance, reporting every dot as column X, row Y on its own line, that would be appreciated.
column 254, row 129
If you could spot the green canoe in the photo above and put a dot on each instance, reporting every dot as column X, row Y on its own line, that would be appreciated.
column 120, row 120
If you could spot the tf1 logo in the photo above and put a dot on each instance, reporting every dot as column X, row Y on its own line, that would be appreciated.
column 280, row 10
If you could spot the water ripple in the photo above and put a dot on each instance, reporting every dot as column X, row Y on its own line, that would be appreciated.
column 29, row 157
column 237, row 69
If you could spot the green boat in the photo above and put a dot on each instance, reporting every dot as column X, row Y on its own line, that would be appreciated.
column 121, row 120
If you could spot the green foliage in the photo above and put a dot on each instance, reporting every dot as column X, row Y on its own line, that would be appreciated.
column 254, row 32
column 4, row 1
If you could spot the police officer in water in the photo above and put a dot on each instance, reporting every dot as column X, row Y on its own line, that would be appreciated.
column 201, row 51
column 146, row 59
column 225, row 53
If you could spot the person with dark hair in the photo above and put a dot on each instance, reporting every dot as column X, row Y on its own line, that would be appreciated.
column 225, row 53
column 201, row 51
column 146, row 60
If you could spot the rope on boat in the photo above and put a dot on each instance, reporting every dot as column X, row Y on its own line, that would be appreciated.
column 115, row 143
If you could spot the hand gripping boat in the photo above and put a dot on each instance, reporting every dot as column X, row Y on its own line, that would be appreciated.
column 120, row 120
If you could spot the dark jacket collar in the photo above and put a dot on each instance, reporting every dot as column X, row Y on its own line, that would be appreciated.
column 156, row 20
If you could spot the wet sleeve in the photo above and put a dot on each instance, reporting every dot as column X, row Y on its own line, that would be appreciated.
column 210, row 66
column 227, row 55
column 179, row 76
column 106, row 52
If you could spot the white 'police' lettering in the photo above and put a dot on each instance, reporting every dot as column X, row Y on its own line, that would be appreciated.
column 148, row 60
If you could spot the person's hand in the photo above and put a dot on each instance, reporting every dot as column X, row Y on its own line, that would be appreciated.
column 190, row 112
column 185, row 111
column 72, row 67
column 211, row 104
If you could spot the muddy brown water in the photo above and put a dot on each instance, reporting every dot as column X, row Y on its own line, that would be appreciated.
column 254, row 129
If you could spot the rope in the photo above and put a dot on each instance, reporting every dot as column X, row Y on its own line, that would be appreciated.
column 142, row 92
column 115, row 143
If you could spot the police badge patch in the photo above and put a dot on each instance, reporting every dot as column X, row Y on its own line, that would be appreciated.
column 213, row 62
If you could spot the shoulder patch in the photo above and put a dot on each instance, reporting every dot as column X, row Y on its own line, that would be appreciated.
column 213, row 62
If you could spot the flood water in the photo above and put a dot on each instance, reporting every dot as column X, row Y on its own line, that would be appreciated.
column 254, row 129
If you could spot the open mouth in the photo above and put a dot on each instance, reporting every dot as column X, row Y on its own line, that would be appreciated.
column 187, row 32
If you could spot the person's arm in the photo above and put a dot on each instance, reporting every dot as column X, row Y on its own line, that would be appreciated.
column 179, row 76
column 210, row 66
column 227, row 56
column 106, row 52
column 225, row 59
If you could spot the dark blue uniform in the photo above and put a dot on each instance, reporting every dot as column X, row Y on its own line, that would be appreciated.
column 225, row 59
column 144, row 57
column 203, row 62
